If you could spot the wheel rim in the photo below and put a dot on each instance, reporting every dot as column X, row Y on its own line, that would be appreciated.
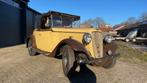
column 134, row 40
column 127, row 40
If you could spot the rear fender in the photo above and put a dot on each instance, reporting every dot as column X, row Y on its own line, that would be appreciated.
column 32, row 38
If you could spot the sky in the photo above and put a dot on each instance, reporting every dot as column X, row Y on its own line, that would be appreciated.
column 112, row 11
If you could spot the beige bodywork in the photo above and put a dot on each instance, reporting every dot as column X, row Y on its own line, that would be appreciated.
column 48, row 39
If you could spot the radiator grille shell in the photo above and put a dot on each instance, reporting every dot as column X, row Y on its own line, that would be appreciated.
column 97, row 41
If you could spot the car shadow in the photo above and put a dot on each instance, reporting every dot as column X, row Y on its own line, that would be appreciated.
column 84, row 75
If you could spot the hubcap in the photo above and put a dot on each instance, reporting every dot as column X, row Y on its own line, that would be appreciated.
column 127, row 40
column 134, row 40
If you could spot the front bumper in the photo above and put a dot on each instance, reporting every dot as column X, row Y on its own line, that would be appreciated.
column 103, row 60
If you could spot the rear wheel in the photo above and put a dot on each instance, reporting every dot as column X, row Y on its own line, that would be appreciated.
column 110, row 63
column 31, row 50
column 68, row 60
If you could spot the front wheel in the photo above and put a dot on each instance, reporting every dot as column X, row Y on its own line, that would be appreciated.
column 68, row 60
column 110, row 63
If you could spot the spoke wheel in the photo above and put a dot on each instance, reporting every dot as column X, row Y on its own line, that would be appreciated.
column 68, row 60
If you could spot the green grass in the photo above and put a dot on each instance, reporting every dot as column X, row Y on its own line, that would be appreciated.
column 129, row 54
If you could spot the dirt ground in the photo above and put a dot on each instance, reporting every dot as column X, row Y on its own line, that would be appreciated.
column 16, row 66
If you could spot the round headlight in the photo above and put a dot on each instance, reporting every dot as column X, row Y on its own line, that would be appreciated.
column 87, row 38
column 108, row 39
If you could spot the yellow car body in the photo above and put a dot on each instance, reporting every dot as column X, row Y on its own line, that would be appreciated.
column 48, row 39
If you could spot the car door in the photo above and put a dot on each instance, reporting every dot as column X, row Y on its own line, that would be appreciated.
column 43, row 38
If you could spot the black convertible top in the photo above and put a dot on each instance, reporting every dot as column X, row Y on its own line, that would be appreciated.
column 55, row 13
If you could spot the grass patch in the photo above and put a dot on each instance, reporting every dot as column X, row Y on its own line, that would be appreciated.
column 129, row 54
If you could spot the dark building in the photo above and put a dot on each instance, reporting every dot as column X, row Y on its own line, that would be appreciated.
column 17, row 21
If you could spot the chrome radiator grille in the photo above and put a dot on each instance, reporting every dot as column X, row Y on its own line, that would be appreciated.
column 97, row 40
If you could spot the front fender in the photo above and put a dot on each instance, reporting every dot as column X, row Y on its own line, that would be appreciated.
column 112, row 46
column 75, row 45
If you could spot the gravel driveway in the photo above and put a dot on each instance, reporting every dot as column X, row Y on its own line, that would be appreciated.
column 16, row 66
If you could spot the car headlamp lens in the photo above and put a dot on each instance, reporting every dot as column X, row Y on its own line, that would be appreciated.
column 108, row 39
column 87, row 38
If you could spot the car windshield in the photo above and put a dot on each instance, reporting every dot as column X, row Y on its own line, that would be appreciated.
column 62, row 22
column 58, row 21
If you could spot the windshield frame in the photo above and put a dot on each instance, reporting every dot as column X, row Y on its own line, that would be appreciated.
column 62, row 21
column 67, row 20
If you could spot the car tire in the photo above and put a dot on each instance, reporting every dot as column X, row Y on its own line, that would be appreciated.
column 110, row 63
column 68, row 60
column 134, row 40
column 31, row 50
column 127, row 40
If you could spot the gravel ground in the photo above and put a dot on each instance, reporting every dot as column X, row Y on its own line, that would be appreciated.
column 16, row 66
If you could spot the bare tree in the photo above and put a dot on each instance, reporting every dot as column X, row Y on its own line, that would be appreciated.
column 131, row 20
column 98, row 21
column 87, row 23
column 143, row 17
column 94, row 23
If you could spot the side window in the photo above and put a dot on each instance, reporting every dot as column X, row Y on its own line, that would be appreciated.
column 57, row 22
column 69, row 22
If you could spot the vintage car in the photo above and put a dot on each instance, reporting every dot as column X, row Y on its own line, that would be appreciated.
column 57, row 37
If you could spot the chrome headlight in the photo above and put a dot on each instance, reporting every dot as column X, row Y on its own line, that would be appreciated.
column 87, row 38
column 108, row 39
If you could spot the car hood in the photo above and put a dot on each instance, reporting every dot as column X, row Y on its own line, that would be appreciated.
column 76, row 30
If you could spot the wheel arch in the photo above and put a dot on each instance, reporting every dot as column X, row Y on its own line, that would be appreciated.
column 74, row 44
